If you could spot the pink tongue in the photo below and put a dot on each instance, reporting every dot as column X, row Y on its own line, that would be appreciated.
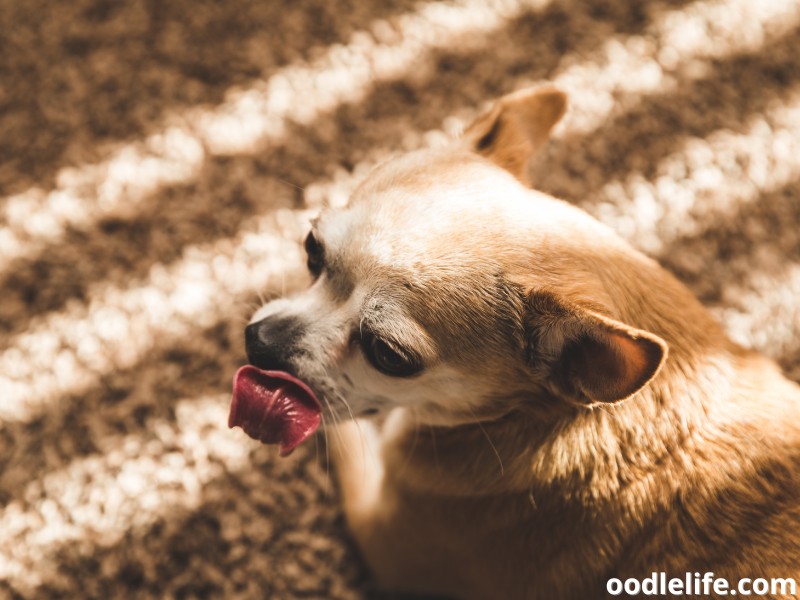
column 273, row 407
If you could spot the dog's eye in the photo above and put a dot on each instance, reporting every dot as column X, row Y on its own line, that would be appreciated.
column 389, row 359
column 315, row 253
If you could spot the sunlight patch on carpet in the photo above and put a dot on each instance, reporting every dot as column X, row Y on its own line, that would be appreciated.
column 247, row 121
column 100, row 497
column 705, row 181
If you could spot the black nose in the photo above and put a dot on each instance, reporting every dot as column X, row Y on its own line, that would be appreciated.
column 273, row 342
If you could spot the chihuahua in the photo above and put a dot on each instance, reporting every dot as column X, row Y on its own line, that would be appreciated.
column 519, row 404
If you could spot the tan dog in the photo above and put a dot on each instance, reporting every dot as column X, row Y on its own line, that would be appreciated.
column 553, row 408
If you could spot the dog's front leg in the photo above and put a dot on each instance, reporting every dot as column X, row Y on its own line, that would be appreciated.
column 355, row 449
column 368, row 505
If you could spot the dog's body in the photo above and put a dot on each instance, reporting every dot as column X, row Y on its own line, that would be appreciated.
column 555, row 408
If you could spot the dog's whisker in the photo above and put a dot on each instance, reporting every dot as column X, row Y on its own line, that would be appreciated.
column 346, row 404
column 317, row 459
column 342, row 399
column 410, row 452
column 432, row 429
column 290, row 184
column 261, row 298
column 343, row 447
column 244, row 310
column 327, row 451
column 531, row 499
column 327, row 462
column 327, row 439
column 361, row 437
column 488, row 439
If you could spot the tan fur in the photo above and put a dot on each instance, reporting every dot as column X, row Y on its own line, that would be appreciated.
column 605, row 426
column 516, row 127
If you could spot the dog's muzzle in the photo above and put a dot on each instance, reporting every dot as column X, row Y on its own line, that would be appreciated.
column 272, row 343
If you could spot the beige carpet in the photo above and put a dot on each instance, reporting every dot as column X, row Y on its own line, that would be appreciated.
column 159, row 162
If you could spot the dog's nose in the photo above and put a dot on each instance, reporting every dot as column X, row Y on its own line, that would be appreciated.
column 272, row 342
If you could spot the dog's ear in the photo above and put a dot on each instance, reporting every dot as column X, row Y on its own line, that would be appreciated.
column 514, row 129
column 591, row 358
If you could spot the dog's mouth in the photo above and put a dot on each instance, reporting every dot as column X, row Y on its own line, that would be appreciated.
column 274, row 407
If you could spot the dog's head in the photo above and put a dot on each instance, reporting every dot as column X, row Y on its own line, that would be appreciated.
column 448, row 287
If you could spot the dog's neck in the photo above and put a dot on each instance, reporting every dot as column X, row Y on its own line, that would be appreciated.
column 570, row 453
column 643, row 450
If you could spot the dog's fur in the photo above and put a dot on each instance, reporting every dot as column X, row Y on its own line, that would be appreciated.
column 579, row 415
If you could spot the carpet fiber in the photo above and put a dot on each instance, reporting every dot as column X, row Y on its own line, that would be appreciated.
column 159, row 162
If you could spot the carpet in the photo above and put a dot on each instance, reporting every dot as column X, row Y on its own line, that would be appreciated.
column 159, row 162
